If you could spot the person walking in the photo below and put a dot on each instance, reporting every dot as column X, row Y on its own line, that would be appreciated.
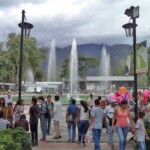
column 33, row 120
column 90, row 101
column 96, row 122
column 122, row 114
column 71, row 125
column 140, row 134
column 109, row 112
column 57, row 117
column 50, row 106
column 42, row 118
column 83, row 121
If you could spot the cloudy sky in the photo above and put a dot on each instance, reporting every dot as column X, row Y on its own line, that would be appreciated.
column 89, row 21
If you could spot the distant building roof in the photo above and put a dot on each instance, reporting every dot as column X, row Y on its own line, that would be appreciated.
column 110, row 78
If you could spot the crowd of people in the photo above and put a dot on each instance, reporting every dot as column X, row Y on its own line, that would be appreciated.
column 91, row 115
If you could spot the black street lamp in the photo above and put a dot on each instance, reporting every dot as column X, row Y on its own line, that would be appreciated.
column 130, row 29
column 25, row 30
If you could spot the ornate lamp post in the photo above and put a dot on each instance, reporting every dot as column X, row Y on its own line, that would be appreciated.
column 130, row 30
column 25, row 30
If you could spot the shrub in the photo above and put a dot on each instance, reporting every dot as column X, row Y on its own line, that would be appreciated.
column 16, row 139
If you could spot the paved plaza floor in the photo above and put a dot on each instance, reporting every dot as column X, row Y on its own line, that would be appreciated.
column 62, row 144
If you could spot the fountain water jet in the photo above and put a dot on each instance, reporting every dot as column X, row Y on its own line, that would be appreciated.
column 51, row 75
column 74, row 86
column 104, row 67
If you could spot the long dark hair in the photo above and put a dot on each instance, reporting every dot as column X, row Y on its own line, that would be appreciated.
column 84, row 105
column 18, row 103
column 2, row 104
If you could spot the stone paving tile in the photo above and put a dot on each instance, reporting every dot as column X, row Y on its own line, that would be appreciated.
column 75, row 146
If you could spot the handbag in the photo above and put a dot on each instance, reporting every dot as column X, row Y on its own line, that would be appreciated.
column 70, row 118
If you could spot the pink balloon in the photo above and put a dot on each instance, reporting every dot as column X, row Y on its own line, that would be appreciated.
column 118, row 93
column 114, row 97
column 109, row 96
column 146, row 93
column 130, row 95
column 119, row 99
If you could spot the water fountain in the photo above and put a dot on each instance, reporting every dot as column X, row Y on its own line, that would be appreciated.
column 74, row 86
column 51, row 74
column 104, row 67
column 29, row 80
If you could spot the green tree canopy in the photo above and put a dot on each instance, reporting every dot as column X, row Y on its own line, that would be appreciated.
column 32, row 58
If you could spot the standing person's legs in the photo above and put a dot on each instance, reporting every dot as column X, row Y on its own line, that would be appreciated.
column 48, row 125
column 110, row 135
column 36, row 134
column 73, row 131
column 84, row 131
column 121, row 138
column 141, row 145
column 59, row 134
column 80, row 128
column 57, row 130
column 96, row 138
column 43, row 127
column 125, row 132
column 32, row 133
column 69, row 130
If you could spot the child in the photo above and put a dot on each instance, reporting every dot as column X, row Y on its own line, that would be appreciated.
column 141, row 132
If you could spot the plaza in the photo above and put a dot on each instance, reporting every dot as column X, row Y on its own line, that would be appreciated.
column 63, row 142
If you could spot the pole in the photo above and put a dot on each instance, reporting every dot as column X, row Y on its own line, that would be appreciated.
column 135, row 74
column 21, row 49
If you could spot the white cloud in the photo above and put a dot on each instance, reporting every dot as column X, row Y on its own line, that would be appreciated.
column 97, row 21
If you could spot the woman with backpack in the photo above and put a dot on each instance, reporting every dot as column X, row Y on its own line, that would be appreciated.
column 43, row 120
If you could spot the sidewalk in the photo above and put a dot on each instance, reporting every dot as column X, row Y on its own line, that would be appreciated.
column 62, row 144
column 75, row 146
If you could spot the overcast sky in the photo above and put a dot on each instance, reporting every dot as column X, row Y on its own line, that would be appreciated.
column 89, row 21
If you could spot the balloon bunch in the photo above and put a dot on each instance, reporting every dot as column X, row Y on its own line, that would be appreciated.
column 120, row 95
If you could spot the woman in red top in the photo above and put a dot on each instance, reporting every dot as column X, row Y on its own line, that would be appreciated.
column 122, row 114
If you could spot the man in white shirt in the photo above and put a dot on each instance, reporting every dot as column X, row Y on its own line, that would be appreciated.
column 8, row 99
column 90, row 101
column 57, row 117
column 3, row 123
column 109, row 112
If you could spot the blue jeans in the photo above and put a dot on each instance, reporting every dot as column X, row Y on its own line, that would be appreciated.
column 110, row 135
column 141, row 145
column 96, row 138
column 71, row 130
column 43, row 126
column 122, row 133
column 48, row 122
column 82, row 130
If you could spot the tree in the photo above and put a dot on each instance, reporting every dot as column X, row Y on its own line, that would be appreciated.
column 64, row 73
column 148, row 73
column 84, row 65
column 32, row 57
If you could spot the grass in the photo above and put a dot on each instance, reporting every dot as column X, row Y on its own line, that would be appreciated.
column 63, row 98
